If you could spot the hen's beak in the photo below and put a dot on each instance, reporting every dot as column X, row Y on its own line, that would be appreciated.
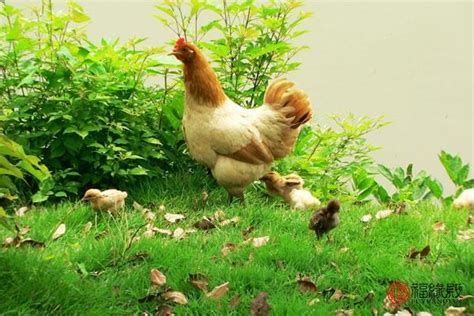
column 174, row 53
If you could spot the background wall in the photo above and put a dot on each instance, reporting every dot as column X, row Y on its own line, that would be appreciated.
column 408, row 60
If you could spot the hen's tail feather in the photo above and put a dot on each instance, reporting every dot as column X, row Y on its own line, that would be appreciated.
column 293, row 103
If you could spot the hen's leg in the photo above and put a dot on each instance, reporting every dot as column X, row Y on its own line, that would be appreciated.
column 237, row 193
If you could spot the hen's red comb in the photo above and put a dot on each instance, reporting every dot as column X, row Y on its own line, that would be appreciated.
column 180, row 42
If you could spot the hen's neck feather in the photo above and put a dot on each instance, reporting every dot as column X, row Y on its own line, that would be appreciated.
column 201, row 82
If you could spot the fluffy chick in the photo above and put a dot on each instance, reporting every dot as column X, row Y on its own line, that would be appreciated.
column 465, row 200
column 108, row 200
column 325, row 219
column 290, row 187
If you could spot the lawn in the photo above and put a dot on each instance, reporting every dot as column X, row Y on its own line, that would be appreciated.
column 97, row 273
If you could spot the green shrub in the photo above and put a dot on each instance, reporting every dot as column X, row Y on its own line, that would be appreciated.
column 248, row 43
column 86, row 109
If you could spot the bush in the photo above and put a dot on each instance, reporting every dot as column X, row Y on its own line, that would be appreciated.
column 86, row 109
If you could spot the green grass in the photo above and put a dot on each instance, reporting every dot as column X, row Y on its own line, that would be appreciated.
column 34, row 281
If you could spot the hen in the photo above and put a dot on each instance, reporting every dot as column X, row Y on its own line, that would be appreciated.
column 237, row 144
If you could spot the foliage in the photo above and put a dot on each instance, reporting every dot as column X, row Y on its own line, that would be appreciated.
column 85, row 108
column 328, row 157
column 457, row 171
column 249, row 43
column 16, row 164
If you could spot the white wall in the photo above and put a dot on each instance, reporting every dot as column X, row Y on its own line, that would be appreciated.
column 408, row 60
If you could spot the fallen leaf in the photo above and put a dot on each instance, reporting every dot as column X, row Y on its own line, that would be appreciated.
column 199, row 281
column 337, row 295
column 218, row 291
column 369, row 297
column 204, row 197
column 162, row 208
column 179, row 233
column 423, row 314
column 366, row 218
column 260, row 241
column 157, row 277
column 439, row 226
column 174, row 218
column 424, row 252
column 465, row 297
column 149, row 231
column 190, row 230
column 9, row 241
column 137, row 206
column 344, row 312
column 464, row 235
column 218, row 215
column 32, row 243
column 259, row 305
column 164, row 310
column 24, row 230
column 344, row 250
column 163, row 231
column 21, row 211
column 246, row 232
column 374, row 311
column 87, row 227
column 149, row 215
column 176, row 297
column 61, row 230
column 228, row 248
column 305, row 284
column 233, row 221
column 455, row 311
column 389, row 306
column 313, row 301
column 204, row 224
column 404, row 312
column 383, row 214
column 234, row 301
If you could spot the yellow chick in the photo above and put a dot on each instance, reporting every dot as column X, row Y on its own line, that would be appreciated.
column 465, row 200
column 290, row 187
column 108, row 200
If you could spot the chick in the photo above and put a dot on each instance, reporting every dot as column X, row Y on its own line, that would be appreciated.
column 290, row 187
column 325, row 219
column 465, row 200
column 108, row 200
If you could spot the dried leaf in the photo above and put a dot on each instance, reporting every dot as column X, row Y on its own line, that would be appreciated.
column 455, row 311
column 313, row 301
column 465, row 297
column 218, row 215
column 228, row 248
column 204, row 224
column 21, row 211
column 344, row 312
column 305, row 284
column 166, row 232
column 464, row 235
column 61, row 230
column 246, row 232
column 259, row 305
column 404, row 312
column 9, row 241
column 344, row 250
column 204, row 197
column 87, row 227
column 374, row 311
column 383, row 214
column 190, row 230
column 389, row 306
column 174, row 218
column 32, row 243
column 234, row 301
column 366, row 218
column 424, row 314
column 439, row 226
column 149, row 215
column 337, row 295
column 157, row 278
column 164, row 310
column 162, row 208
column 369, row 297
column 137, row 206
column 233, row 221
column 424, row 252
column 260, row 241
column 199, row 281
column 179, row 233
column 176, row 297
column 218, row 291
column 24, row 230
column 149, row 231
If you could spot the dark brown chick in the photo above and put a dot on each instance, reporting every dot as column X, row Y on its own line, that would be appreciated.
column 325, row 219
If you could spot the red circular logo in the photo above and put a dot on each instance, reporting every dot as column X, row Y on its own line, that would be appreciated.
column 398, row 293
